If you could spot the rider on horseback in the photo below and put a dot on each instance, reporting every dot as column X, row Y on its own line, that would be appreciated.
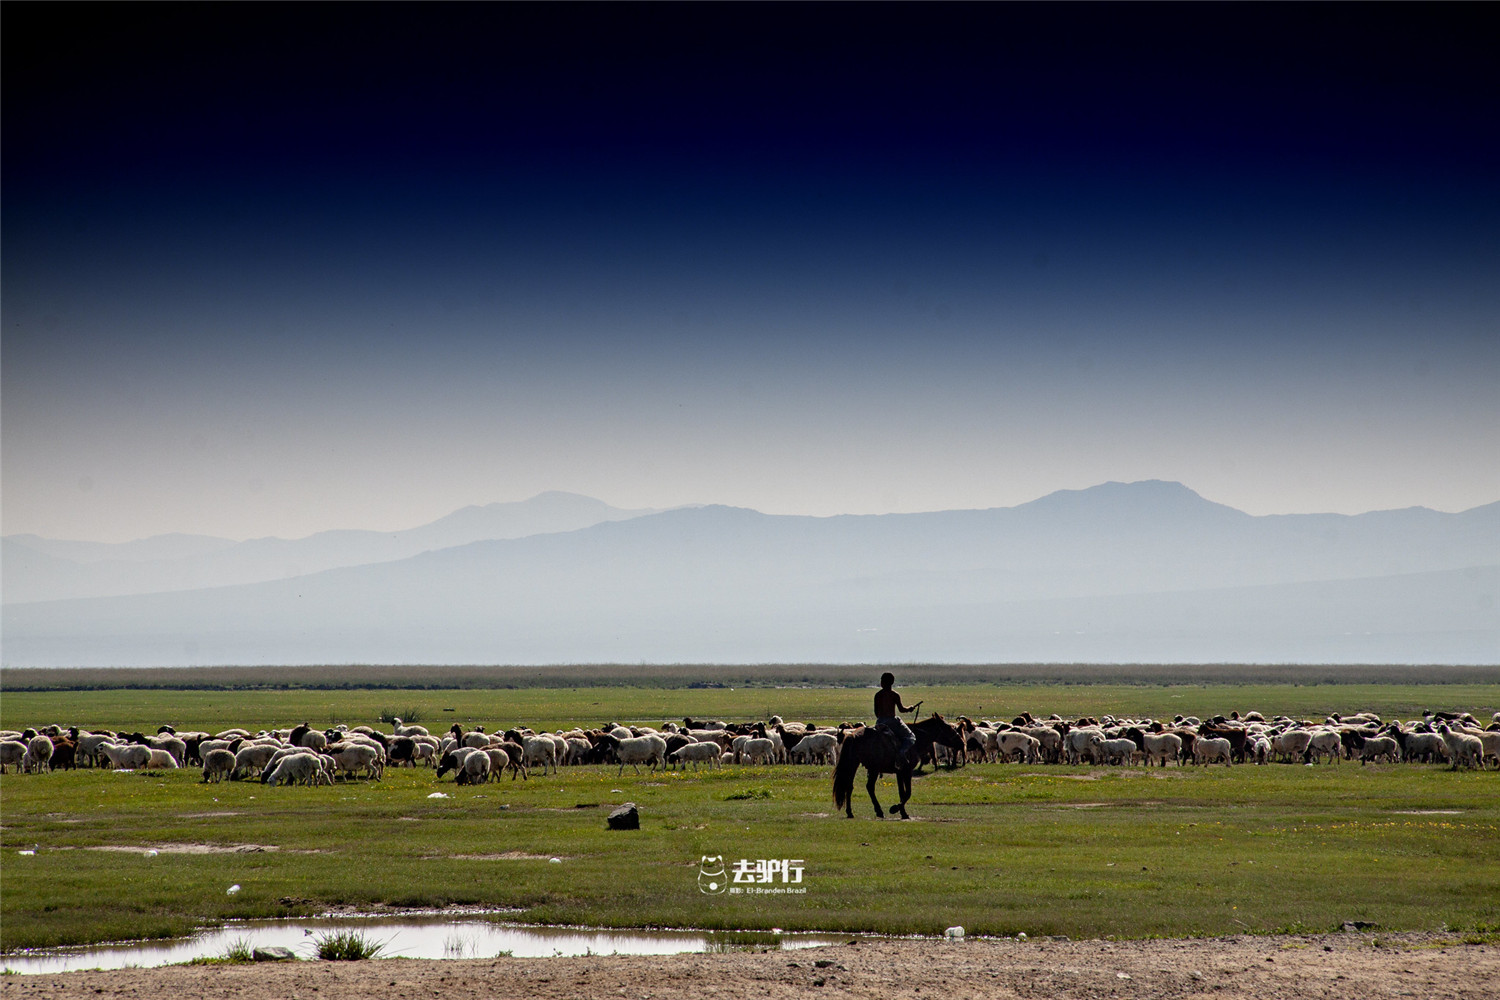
column 887, row 706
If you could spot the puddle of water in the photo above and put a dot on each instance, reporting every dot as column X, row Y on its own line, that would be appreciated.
column 405, row 937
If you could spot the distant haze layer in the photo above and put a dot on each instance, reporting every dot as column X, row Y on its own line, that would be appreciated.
column 1138, row 572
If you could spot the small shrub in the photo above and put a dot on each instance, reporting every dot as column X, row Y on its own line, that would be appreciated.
column 347, row 946
column 239, row 950
column 408, row 717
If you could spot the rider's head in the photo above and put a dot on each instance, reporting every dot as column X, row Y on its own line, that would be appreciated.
column 887, row 679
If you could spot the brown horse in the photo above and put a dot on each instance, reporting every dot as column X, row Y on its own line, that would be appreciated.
column 875, row 749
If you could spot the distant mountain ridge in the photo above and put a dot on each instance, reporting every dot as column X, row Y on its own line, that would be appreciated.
column 1118, row 573
column 39, row 569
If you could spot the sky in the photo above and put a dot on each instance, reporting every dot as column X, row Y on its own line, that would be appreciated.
column 276, row 269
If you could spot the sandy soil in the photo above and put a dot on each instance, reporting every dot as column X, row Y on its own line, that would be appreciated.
column 1336, row 966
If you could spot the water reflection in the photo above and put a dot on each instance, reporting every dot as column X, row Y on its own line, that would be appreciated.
column 406, row 937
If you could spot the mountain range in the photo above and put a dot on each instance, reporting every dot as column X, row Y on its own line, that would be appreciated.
column 1137, row 572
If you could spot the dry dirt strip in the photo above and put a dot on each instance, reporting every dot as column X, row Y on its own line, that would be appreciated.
column 1334, row 966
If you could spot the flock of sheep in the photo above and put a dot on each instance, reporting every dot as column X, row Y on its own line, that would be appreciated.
column 1454, row 738
column 304, row 755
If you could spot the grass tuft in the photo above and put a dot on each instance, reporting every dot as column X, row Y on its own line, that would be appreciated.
column 347, row 946
column 725, row 941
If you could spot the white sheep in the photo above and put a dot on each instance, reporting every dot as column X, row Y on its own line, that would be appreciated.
column 1325, row 742
column 638, row 750
column 12, row 753
column 540, row 749
column 1462, row 748
column 88, row 748
column 1291, row 744
column 1121, row 750
column 475, row 768
column 352, row 757
column 1162, row 747
column 758, row 751
column 1377, row 747
column 1081, row 741
column 1206, row 751
column 1259, row 749
column 161, row 760
column 38, row 755
column 252, row 757
column 402, row 730
column 303, row 767
column 126, row 756
column 819, row 746
column 707, row 752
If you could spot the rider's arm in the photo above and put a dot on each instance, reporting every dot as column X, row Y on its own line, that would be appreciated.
column 904, row 708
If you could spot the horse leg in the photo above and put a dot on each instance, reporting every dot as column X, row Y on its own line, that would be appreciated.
column 870, row 785
column 903, row 788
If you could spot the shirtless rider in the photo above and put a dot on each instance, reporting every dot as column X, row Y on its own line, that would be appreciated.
column 888, row 707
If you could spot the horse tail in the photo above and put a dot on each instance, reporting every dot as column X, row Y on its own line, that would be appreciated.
column 843, row 773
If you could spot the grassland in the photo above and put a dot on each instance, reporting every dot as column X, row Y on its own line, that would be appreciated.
column 997, row 848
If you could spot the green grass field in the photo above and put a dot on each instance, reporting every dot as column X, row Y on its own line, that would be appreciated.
column 1085, row 852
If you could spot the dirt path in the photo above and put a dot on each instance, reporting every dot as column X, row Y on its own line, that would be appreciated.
column 1335, row 966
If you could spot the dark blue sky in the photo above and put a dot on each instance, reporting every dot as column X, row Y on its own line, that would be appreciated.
column 272, row 269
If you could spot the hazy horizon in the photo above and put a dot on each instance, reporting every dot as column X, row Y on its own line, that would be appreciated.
column 605, row 501
column 269, row 272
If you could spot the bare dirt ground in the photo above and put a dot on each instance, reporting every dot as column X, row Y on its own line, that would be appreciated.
column 1336, row 966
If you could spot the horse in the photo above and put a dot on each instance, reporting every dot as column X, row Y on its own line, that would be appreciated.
column 875, row 749
column 937, row 730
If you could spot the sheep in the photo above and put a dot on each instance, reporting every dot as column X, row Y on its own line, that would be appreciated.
column 1080, row 741
column 401, row 730
column 253, row 756
column 161, row 759
column 38, row 755
column 1325, row 741
column 580, row 750
column 475, row 769
column 1260, row 749
column 638, row 750
column 126, row 756
column 1290, row 744
column 1462, row 748
column 1118, row 750
column 1162, row 747
column 12, row 753
column 1050, row 739
column 217, row 764
column 759, row 750
column 817, row 746
column 707, row 752
column 1206, row 751
column 303, row 767
column 472, row 765
column 540, row 749
column 1377, row 747
column 499, row 761
column 173, row 745
column 88, row 747
column 1424, row 747
column 352, row 757
column 1491, row 744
